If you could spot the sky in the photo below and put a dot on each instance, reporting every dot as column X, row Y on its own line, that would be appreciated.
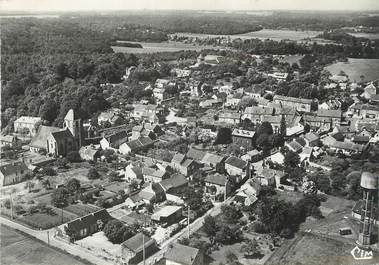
column 105, row 5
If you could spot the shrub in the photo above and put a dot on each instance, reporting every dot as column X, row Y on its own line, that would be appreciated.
column 73, row 157
column 93, row 174
column 258, row 227
column 7, row 203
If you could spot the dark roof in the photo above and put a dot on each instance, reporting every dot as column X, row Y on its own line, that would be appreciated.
column 135, row 243
column 117, row 138
column 90, row 219
column 358, row 138
column 62, row 134
column 312, row 137
column 329, row 113
column 39, row 140
column 13, row 168
column 134, row 145
column 217, row 179
column 213, row 159
column 195, row 154
column 236, row 162
column 145, row 140
column 178, row 158
column 181, row 254
column 175, row 181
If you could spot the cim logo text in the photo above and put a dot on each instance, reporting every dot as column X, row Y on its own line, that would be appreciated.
column 360, row 254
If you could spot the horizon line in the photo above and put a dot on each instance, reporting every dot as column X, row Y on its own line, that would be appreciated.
column 207, row 10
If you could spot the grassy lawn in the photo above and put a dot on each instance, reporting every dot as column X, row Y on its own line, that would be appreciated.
column 45, row 221
column 314, row 250
column 81, row 209
column 289, row 196
column 17, row 248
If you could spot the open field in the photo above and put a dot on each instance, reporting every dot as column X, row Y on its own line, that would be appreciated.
column 354, row 68
column 263, row 34
column 170, row 46
column 371, row 36
column 19, row 249
column 309, row 249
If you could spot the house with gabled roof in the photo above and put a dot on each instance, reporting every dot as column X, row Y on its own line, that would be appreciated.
column 195, row 154
column 335, row 116
column 229, row 117
column 133, row 172
column 243, row 138
column 87, row 225
column 248, row 193
column 216, row 184
column 134, row 202
column 13, row 173
column 135, row 247
column 312, row 139
column 141, row 143
column 214, row 161
column 26, row 123
column 8, row 140
column 175, row 184
column 183, row 164
column 89, row 153
column 153, row 193
column 178, row 254
column 154, row 175
column 168, row 214
column 300, row 104
column 113, row 141
column 237, row 167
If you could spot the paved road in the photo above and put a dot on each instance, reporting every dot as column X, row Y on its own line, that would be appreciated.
column 43, row 236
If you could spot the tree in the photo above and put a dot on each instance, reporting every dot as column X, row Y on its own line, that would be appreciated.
column 114, row 176
column 209, row 225
column 224, row 136
column 73, row 156
column 93, row 174
column 73, row 185
column 29, row 185
column 7, row 203
column 233, row 149
column 291, row 160
column 117, row 232
column 60, row 197
column 46, row 184
column 49, row 111
column 230, row 213
column 133, row 185
column 114, row 231
column 228, row 234
column 265, row 128
column 251, row 248
column 283, row 127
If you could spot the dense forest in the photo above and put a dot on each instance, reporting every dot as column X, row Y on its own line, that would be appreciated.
column 49, row 67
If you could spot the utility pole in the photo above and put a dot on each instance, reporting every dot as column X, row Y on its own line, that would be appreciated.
column 188, row 222
column 11, row 200
column 143, row 247
column 48, row 238
column 62, row 212
column 226, row 183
